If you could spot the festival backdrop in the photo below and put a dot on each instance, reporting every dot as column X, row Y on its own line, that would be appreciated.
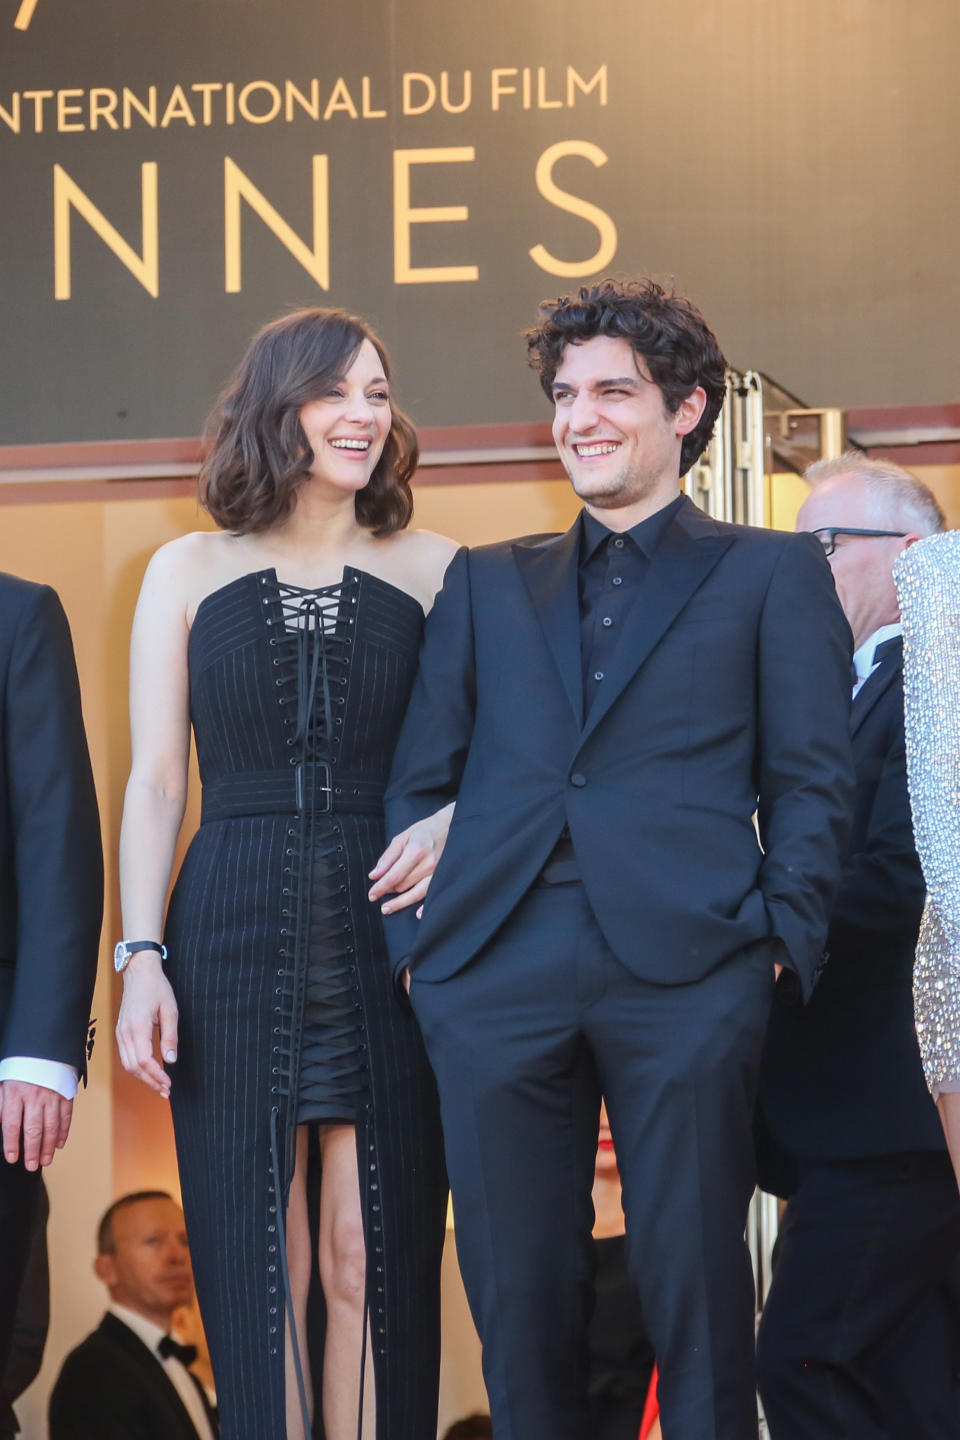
column 172, row 174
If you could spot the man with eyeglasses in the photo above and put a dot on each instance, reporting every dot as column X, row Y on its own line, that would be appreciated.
column 860, row 1336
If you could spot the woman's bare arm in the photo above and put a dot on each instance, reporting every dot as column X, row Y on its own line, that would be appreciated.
column 153, row 809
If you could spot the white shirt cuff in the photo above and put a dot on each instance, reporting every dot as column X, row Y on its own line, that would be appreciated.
column 51, row 1074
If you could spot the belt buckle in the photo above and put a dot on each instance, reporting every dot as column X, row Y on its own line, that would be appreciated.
column 325, row 787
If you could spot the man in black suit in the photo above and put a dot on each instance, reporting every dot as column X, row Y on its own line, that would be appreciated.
column 609, row 708
column 130, row 1380
column 51, row 907
column 846, row 1126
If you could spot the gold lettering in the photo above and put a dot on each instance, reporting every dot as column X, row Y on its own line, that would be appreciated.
column 206, row 90
column 498, row 87
column 575, row 82
column 244, row 102
column 368, row 112
column 550, row 191
column 147, row 112
column 178, row 108
column 11, row 117
column 542, row 102
column 24, row 15
column 38, row 97
column 526, row 86
column 405, row 216
column 445, row 100
column 66, row 106
column 340, row 100
column 311, row 106
column 231, row 113
column 411, row 78
column 67, row 195
column 103, row 106
column 237, row 187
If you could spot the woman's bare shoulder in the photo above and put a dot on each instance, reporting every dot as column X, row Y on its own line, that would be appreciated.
column 190, row 566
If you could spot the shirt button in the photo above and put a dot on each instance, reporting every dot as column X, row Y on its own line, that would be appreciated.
column 619, row 543
column 607, row 621
column 578, row 780
column 598, row 674
column 617, row 580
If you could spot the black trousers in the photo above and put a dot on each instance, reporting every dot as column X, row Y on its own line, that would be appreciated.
column 523, row 1042
column 19, row 1198
column 860, row 1335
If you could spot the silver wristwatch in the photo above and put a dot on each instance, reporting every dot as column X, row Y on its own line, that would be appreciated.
column 126, row 949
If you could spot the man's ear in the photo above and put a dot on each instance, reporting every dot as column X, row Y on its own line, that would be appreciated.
column 105, row 1269
column 689, row 411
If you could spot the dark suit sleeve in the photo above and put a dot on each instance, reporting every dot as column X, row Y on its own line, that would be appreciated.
column 805, row 761
column 97, row 1398
column 55, row 830
column 435, row 736
column 881, row 885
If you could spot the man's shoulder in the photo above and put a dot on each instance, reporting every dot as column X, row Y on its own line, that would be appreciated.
column 17, row 594
column 763, row 540
column 486, row 564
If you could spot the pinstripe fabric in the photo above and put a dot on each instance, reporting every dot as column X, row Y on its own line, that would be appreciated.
column 229, row 963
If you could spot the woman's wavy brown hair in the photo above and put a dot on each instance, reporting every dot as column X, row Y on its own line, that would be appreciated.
column 259, row 455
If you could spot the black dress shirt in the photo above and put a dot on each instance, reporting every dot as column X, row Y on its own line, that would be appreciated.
column 611, row 573
column 612, row 570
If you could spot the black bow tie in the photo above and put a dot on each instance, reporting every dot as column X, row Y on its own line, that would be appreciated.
column 186, row 1354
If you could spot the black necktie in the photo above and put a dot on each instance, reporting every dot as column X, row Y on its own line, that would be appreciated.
column 885, row 648
column 186, row 1354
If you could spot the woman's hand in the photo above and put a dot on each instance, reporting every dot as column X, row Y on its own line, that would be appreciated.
column 405, row 868
column 148, row 1002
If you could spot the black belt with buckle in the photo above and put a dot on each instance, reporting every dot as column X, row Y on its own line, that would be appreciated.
column 310, row 786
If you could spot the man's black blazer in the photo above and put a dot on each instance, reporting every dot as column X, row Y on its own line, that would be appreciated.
column 729, row 688
column 841, row 1077
column 51, row 864
column 112, row 1388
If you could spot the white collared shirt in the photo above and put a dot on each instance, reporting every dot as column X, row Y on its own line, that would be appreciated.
column 863, row 655
column 177, row 1373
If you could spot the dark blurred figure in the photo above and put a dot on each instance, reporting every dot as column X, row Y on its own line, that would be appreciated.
column 859, row 1334
column 471, row 1427
column 130, row 1379
column 30, row 1323
column 51, row 907
column 621, row 1355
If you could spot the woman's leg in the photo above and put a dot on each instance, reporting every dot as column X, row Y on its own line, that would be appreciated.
column 343, row 1276
column 948, row 1104
column 298, row 1263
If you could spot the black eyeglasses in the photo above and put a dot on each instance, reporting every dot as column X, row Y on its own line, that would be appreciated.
column 827, row 535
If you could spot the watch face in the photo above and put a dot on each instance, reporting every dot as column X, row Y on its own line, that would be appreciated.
column 121, row 957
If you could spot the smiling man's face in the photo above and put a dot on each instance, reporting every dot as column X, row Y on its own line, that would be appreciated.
column 618, row 442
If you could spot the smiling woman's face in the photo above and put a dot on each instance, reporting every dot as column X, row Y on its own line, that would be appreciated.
column 348, row 427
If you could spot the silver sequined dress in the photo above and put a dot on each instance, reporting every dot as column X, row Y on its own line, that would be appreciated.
column 928, row 584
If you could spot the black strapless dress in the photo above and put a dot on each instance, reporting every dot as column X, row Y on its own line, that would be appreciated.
column 287, row 1009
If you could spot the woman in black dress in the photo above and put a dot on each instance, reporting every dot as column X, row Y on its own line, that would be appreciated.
column 289, row 641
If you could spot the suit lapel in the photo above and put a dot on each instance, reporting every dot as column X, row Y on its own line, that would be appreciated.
column 687, row 552
column 873, row 687
column 155, row 1378
column 550, row 574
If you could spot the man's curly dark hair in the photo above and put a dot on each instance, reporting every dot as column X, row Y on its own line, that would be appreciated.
column 665, row 330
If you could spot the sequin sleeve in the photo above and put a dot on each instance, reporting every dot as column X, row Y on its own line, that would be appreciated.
column 928, row 584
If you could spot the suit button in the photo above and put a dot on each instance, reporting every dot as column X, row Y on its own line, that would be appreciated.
column 577, row 779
